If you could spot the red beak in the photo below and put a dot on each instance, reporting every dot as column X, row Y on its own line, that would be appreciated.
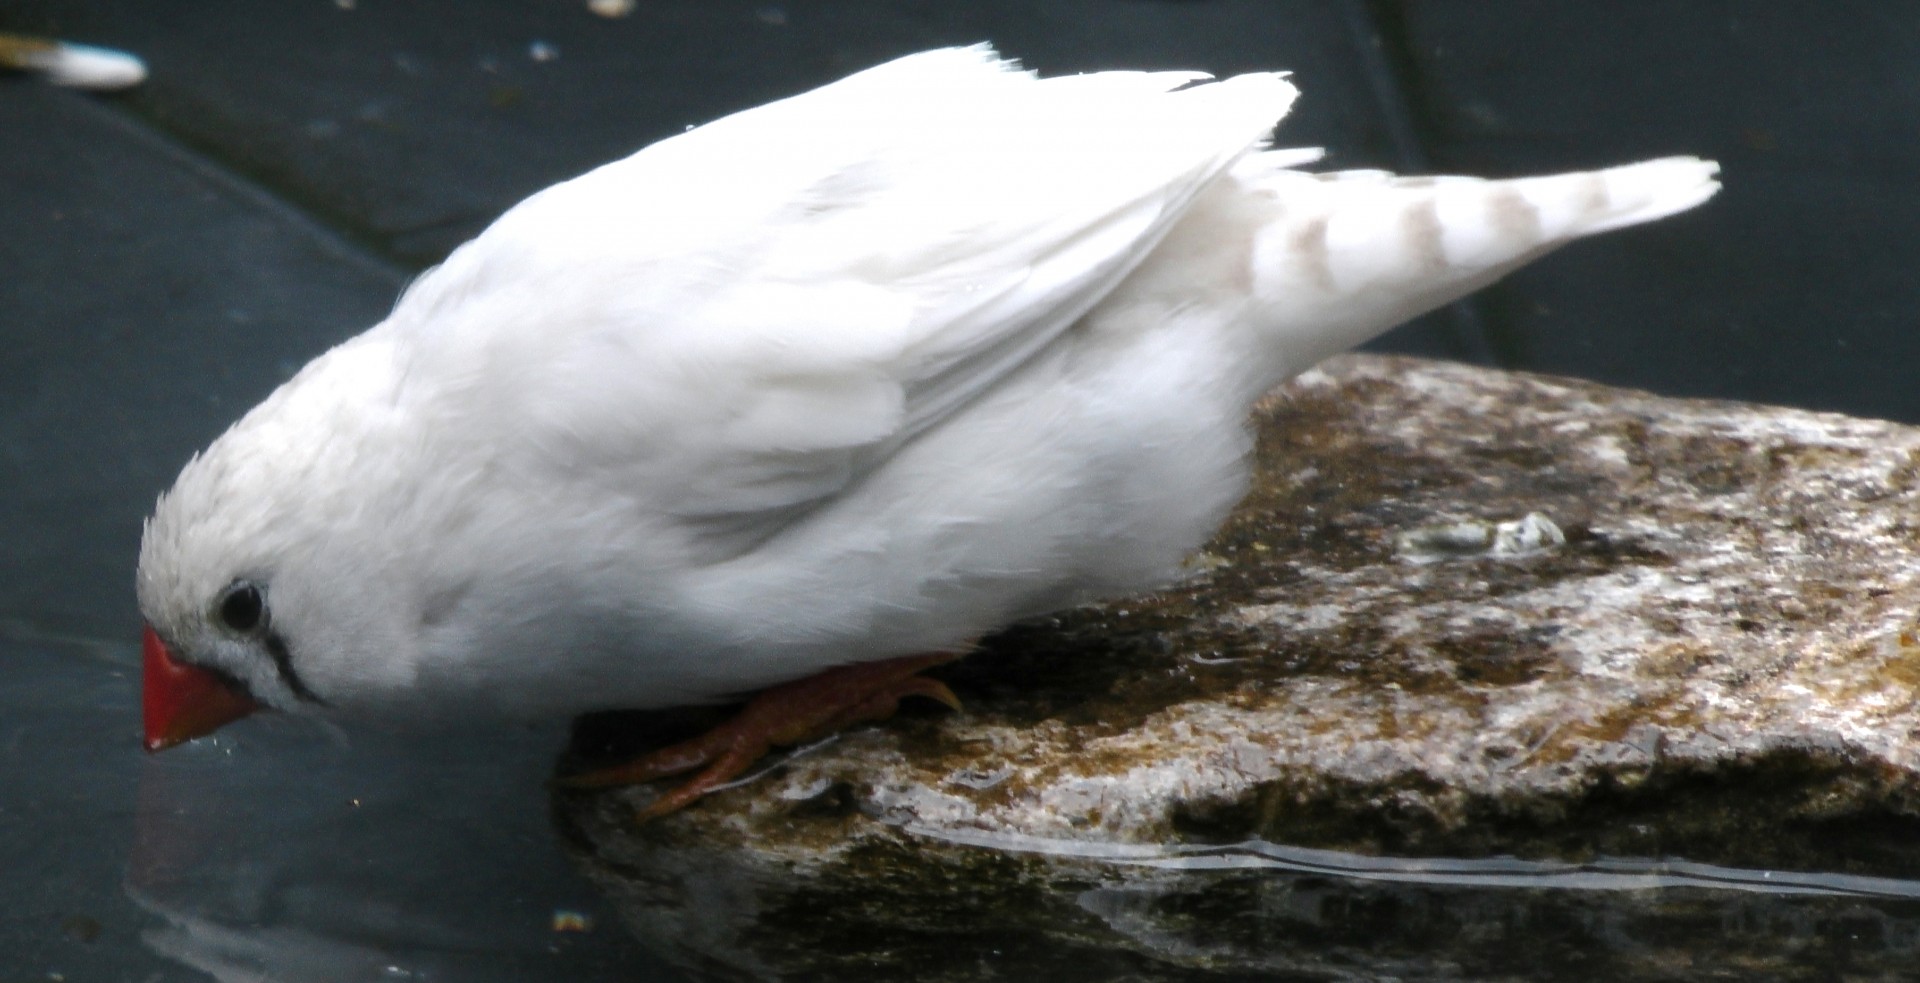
column 184, row 701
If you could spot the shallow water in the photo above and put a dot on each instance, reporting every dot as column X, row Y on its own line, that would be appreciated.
column 276, row 851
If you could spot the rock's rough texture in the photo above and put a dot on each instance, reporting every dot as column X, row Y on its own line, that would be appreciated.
column 1709, row 649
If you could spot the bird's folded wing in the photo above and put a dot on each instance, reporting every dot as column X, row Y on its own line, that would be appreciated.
column 738, row 322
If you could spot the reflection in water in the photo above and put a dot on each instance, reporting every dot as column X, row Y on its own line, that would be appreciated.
column 1605, row 874
column 278, row 851
column 250, row 953
column 278, row 854
column 1264, row 907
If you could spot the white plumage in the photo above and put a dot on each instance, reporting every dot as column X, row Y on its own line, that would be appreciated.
column 862, row 373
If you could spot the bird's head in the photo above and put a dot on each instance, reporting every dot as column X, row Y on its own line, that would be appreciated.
column 217, row 584
column 255, row 580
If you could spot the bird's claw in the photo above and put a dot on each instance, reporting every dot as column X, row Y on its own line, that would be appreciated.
column 781, row 716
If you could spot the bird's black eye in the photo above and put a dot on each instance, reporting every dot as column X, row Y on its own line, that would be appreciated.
column 242, row 608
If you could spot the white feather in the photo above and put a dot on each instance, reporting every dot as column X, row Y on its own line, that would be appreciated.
column 861, row 373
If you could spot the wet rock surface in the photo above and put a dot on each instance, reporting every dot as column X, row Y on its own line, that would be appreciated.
column 1492, row 674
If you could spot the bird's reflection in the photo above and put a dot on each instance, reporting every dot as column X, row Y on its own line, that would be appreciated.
column 277, row 854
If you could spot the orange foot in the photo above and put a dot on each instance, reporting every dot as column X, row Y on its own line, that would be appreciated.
column 787, row 714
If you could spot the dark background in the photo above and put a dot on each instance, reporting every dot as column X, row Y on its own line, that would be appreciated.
column 170, row 254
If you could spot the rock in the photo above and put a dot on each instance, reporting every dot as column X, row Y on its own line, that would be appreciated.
column 1491, row 672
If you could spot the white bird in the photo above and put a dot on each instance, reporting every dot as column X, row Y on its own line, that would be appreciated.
column 849, row 379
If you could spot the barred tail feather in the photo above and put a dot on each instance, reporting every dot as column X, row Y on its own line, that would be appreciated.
column 1342, row 257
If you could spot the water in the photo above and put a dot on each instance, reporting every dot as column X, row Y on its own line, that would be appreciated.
column 276, row 851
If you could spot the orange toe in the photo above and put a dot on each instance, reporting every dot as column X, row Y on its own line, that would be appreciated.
column 778, row 717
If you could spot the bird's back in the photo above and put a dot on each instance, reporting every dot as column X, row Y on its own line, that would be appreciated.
column 862, row 373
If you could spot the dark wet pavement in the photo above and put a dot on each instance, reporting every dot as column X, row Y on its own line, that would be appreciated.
column 172, row 253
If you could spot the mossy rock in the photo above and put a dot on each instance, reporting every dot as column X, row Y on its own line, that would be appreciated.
column 1479, row 655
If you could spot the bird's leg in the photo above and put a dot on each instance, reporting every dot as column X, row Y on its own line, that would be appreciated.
column 791, row 713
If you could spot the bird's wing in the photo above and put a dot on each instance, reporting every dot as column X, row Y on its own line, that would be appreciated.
column 736, row 322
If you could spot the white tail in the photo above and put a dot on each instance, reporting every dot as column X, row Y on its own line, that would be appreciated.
column 1344, row 256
